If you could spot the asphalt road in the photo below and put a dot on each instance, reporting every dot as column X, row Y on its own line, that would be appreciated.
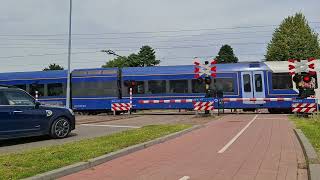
column 94, row 126
column 81, row 132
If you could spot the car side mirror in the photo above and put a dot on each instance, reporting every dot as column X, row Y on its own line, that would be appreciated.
column 37, row 104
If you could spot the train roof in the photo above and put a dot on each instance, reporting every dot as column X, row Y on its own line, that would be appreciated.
column 93, row 69
column 189, row 69
column 95, row 72
column 33, row 75
column 282, row 66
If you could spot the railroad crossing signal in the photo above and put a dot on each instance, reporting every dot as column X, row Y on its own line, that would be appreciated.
column 304, row 75
column 204, row 69
column 296, row 66
column 130, row 83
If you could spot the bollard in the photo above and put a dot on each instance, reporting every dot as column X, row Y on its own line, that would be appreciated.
column 130, row 100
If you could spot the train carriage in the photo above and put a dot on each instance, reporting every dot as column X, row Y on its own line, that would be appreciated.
column 93, row 89
column 267, row 82
column 50, row 85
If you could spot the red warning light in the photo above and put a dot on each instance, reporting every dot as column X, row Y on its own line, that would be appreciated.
column 133, row 83
column 306, row 79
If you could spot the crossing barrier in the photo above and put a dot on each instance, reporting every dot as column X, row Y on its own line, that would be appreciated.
column 120, row 106
column 304, row 107
column 203, row 106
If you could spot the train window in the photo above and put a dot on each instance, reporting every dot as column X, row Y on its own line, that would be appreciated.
column 281, row 81
column 198, row 87
column 79, row 73
column 138, row 89
column 109, row 71
column 55, row 89
column 157, row 86
column 36, row 87
column 258, row 82
column 178, row 86
column 21, row 86
column 247, row 83
column 225, row 84
column 95, row 88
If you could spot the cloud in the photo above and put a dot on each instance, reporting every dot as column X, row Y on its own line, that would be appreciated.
column 101, row 18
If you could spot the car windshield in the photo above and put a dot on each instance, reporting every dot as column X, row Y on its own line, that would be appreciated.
column 18, row 98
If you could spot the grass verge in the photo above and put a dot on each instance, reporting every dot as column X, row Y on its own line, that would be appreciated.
column 32, row 162
column 311, row 128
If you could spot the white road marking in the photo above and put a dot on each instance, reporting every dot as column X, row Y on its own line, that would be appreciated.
column 105, row 125
column 273, row 118
column 185, row 178
column 237, row 136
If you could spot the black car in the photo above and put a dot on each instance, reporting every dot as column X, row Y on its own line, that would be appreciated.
column 22, row 116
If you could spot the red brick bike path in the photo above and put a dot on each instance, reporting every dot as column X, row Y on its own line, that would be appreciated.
column 267, row 149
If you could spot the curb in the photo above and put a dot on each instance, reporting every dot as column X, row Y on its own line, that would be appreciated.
column 64, row 171
column 310, row 154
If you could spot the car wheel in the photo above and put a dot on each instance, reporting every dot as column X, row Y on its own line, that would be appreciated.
column 60, row 128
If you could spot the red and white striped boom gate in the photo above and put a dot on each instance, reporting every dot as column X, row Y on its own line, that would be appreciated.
column 304, row 107
column 224, row 100
column 166, row 101
column 255, row 99
column 203, row 106
column 120, row 106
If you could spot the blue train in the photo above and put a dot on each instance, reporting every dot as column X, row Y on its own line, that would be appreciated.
column 94, row 89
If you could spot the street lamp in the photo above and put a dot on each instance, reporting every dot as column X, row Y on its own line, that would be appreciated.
column 110, row 52
column 68, row 96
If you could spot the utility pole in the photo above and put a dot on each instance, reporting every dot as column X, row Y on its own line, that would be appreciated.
column 68, row 98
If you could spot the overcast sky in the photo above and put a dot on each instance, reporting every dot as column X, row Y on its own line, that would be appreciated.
column 33, row 33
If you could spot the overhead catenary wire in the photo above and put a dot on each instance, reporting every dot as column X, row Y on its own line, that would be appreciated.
column 132, row 48
column 149, row 42
column 202, row 33
column 46, row 54
column 152, row 32
column 86, row 61
column 125, row 37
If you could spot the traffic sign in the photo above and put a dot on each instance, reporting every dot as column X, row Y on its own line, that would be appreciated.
column 204, row 69
column 299, row 66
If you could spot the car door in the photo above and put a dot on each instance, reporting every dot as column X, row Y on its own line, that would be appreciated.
column 24, row 114
column 7, row 127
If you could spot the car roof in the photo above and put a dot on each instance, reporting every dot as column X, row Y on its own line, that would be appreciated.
column 8, row 87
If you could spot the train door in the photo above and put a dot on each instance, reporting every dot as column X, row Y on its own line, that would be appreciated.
column 247, row 89
column 253, row 86
column 259, row 89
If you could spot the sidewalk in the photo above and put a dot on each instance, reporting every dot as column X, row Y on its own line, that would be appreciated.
column 267, row 149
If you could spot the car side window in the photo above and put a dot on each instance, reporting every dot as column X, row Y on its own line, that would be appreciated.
column 3, row 99
column 18, row 98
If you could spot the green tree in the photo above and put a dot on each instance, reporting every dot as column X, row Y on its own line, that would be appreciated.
column 134, row 60
column 145, row 57
column 52, row 67
column 119, row 62
column 293, row 39
column 226, row 55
